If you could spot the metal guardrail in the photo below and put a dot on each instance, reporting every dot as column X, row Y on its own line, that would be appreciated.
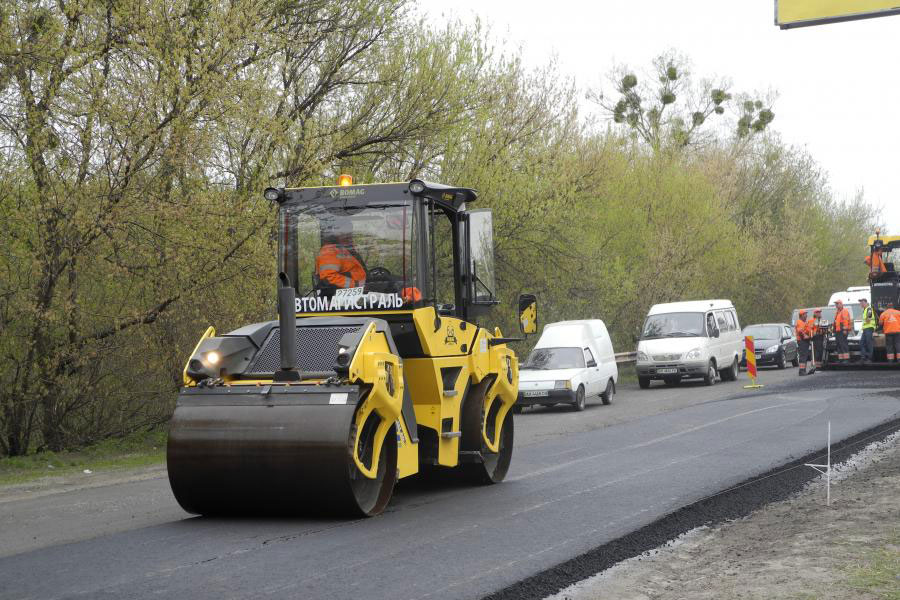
column 626, row 358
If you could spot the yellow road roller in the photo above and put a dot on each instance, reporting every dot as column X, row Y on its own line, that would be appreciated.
column 376, row 368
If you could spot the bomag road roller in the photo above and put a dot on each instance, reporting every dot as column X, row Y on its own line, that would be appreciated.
column 377, row 366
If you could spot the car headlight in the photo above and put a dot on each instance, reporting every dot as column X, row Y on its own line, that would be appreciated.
column 772, row 349
column 563, row 384
column 693, row 354
column 642, row 357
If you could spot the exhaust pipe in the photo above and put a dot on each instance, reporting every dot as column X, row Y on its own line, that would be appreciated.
column 287, row 323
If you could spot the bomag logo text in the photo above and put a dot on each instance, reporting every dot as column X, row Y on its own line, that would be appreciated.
column 346, row 192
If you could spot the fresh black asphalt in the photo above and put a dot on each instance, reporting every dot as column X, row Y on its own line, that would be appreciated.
column 571, row 506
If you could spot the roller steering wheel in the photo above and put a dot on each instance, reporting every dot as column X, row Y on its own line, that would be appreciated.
column 378, row 274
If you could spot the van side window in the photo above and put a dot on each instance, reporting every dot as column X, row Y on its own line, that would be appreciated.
column 732, row 325
column 737, row 324
column 710, row 324
column 589, row 358
column 720, row 319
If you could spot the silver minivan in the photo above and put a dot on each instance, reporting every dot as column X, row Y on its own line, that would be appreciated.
column 700, row 339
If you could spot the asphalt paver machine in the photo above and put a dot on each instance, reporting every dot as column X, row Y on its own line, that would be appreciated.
column 377, row 366
column 884, row 286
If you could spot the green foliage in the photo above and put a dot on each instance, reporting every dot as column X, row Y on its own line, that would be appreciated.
column 138, row 136
column 662, row 125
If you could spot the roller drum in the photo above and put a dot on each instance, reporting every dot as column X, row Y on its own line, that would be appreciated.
column 274, row 449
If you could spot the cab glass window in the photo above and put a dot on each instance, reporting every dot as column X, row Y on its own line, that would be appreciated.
column 363, row 255
column 482, row 256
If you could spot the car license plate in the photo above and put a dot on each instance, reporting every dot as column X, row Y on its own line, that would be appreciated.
column 534, row 394
column 666, row 371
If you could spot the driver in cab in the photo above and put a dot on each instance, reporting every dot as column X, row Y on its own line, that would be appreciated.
column 338, row 264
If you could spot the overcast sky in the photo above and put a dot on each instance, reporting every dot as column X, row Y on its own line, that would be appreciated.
column 838, row 85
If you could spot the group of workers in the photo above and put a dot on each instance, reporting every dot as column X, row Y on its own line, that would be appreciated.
column 811, row 335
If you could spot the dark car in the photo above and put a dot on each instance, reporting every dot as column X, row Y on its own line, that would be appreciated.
column 774, row 343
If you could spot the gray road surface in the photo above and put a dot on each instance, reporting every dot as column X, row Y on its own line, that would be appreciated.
column 578, row 480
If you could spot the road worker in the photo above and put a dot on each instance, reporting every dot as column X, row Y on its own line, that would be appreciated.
column 802, row 333
column 875, row 262
column 816, row 340
column 890, row 323
column 866, row 340
column 843, row 326
column 338, row 265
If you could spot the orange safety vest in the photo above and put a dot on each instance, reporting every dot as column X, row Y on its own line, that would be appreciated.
column 890, row 320
column 842, row 321
column 800, row 329
column 876, row 263
column 811, row 328
column 410, row 295
column 336, row 265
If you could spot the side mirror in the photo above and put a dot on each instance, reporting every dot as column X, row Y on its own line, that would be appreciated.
column 592, row 363
column 528, row 313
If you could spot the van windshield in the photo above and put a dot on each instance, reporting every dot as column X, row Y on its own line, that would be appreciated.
column 673, row 325
column 542, row 359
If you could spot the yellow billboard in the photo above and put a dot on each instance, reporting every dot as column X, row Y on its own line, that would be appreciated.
column 802, row 13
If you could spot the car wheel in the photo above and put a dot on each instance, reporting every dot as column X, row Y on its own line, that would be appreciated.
column 608, row 394
column 643, row 382
column 731, row 373
column 579, row 399
column 710, row 377
column 782, row 363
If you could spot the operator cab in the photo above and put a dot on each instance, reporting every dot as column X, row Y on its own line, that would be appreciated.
column 885, row 286
column 386, row 247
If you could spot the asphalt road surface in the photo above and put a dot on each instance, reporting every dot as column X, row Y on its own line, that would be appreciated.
column 578, row 481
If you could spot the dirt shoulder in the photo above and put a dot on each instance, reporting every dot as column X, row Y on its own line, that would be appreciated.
column 795, row 549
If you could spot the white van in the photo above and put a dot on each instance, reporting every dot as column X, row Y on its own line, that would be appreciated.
column 572, row 360
column 684, row 340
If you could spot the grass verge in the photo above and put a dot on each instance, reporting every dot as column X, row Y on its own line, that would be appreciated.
column 135, row 450
column 878, row 573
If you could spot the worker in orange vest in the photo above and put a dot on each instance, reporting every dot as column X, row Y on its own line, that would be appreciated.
column 843, row 325
column 875, row 262
column 802, row 333
column 816, row 340
column 338, row 265
column 890, row 323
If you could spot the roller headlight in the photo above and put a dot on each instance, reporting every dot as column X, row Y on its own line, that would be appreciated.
column 213, row 357
column 343, row 357
column 694, row 354
column 642, row 357
column 772, row 349
column 562, row 384
column 272, row 194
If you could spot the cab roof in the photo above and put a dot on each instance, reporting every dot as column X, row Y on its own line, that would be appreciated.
column 887, row 240
column 690, row 306
column 449, row 197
